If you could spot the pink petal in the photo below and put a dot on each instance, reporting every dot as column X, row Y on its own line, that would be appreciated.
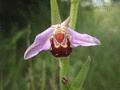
column 79, row 39
column 40, row 43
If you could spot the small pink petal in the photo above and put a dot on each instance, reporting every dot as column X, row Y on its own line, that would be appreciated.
column 66, row 22
column 79, row 39
column 40, row 43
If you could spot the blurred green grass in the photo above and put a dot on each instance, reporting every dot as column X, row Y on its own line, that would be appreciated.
column 42, row 72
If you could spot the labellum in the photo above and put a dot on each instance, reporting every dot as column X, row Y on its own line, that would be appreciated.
column 60, row 44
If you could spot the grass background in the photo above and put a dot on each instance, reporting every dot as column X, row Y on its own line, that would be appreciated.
column 21, row 21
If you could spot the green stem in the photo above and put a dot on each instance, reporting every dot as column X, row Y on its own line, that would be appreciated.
column 73, row 12
column 60, row 74
column 63, row 73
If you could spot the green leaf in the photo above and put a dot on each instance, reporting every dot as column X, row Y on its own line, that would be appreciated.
column 78, row 82
column 74, row 12
column 55, row 15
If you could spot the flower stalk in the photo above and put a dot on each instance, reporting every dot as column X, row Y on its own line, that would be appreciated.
column 63, row 73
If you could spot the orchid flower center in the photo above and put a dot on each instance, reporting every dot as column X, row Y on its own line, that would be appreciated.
column 60, row 44
column 59, row 37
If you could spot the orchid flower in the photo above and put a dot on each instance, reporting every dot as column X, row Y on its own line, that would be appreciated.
column 60, row 39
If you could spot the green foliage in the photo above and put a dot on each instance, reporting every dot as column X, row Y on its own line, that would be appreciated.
column 74, row 12
column 55, row 15
column 78, row 82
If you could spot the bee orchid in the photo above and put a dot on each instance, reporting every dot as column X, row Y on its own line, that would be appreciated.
column 59, row 39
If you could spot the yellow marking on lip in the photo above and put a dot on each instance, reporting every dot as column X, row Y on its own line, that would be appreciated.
column 65, row 46
column 57, row 44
